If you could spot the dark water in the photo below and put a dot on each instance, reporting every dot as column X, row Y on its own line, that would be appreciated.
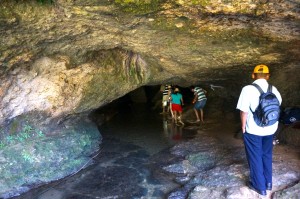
column 129, row 165
column 140, row 125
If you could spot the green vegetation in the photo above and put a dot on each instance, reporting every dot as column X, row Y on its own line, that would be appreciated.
column 35, row 160
column 16, row 11
column 29, row 1
column 39, row 1
column 195, row 2
column 46, row 1
column 139, row 6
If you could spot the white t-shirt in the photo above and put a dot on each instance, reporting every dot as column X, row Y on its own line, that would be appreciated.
column 249, row 99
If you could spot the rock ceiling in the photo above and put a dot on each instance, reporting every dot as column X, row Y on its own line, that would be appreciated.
column 72, row 57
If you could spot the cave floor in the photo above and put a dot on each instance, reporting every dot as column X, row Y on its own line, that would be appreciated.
column 135, row 149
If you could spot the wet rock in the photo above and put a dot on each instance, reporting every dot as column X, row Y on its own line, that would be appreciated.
column 112, row 182
column 179, row 194
column 52, row 193
column 289, row 192
column 201, row 192
column 220, row 172
column 182, row 168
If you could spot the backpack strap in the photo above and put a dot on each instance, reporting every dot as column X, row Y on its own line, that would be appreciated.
column 258, row 87
column 270, row 88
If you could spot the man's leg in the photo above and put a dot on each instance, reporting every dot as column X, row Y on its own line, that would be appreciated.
column 175, row 116
column 171, row 110
column 180, row 117
column 201, row 106
column 201, row 115
column 162, row 106
column 253, row 147
column 267, row 145
column 197, row 115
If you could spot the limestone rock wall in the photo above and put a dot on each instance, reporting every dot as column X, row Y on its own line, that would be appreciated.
column 50, row 85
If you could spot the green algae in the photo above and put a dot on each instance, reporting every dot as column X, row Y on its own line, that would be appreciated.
column 139, row 6
column 46, row 1
column 24, row 135
column 47, row 158
column 28, row 156
column 16, row 11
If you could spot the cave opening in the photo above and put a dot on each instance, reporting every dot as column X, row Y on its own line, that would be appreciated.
column 136, row 117
column 150, row 96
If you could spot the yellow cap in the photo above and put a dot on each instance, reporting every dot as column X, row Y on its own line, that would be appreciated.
column 261, row 69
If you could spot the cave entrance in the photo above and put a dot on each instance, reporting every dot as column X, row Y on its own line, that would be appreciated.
column 136, row 118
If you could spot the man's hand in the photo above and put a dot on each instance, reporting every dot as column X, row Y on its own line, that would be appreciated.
column 243, row 116
column 243, row 130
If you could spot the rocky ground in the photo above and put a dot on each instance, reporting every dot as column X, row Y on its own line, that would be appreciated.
column 212, row 165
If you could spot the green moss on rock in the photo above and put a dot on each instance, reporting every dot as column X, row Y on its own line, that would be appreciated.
column 47, row 158
column 139, row 7
column 14, row 11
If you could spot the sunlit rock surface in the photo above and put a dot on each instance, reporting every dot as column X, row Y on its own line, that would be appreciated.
column 67, row 58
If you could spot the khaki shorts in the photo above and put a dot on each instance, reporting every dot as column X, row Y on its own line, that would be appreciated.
column 165, row 100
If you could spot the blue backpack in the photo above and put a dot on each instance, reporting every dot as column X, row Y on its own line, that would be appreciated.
column 268, row 110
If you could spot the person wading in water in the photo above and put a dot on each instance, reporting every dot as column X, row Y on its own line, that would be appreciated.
column 199, row 102
column 177, row 102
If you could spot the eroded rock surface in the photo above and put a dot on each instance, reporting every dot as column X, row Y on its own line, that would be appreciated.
column 68, row 58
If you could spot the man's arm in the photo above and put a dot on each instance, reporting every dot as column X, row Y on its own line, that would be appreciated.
column 195, row 98
column 243, row 116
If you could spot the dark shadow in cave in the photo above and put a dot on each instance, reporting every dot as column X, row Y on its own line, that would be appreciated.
column 136, row 118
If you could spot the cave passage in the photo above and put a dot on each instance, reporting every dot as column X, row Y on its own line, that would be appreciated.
column 136, row 118
column 133, row 149
column 142, row 126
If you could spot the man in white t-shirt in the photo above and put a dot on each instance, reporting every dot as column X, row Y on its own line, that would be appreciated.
column 258, row 140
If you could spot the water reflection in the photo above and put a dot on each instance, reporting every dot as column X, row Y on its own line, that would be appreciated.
column 140, row 125
column 172, row 131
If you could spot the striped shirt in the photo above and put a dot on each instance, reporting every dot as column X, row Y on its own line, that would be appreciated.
column 166, row 90
column 200, row 93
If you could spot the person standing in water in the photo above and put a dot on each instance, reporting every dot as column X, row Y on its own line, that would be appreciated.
column 199, row 102
column 170, row 103
column 165, row 98
column 177, row 102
